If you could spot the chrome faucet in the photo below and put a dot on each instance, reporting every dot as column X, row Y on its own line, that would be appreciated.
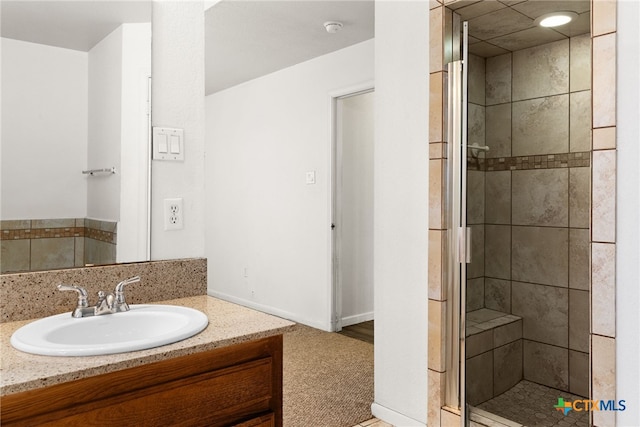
column 107, row 303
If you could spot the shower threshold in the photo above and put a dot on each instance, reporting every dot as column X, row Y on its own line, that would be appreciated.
column 528, row 404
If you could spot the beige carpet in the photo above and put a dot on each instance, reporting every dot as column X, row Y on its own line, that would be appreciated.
column 328, row 379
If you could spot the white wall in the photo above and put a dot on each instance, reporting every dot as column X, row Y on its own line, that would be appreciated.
column 105, row 129
column 401, row 211
column 354, row 219
column 628, row 206
column 262, row 137
column 44, row 131
column 136, row 70
column 178, row 102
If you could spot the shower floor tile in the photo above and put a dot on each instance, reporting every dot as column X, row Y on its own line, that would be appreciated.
column 532, row 405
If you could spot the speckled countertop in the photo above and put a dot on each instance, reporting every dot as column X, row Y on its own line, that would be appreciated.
column 228, row 324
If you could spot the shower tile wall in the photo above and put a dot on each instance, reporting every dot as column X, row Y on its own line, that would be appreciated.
column 531, row 242
column 46, row 244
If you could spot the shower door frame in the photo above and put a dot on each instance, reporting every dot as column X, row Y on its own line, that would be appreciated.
column 458, row 234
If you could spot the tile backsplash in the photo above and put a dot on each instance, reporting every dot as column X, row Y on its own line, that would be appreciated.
column 34, row 294
column 46, row 244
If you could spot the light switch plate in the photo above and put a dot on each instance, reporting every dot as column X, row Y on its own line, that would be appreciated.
column 168, row 144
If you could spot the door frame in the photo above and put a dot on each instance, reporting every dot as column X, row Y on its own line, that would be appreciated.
column 335, row 159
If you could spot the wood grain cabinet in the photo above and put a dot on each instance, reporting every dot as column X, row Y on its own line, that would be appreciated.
column 239, row 385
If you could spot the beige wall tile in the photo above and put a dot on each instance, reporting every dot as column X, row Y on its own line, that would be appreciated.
column 436, row 201
column 497, row 294
column 603, row 16
column 480, row 378
column 544, row 311
column 498, row 197
column 435, row 264
column 17, row 224
column 479, row 343
column 79, row 252
column 580, row 63
column 604, row 138
column 540, row 197
column 540, row 126
column 475, row 294
column 579, row 373
column 15, row 255
column 498, row 130
column 475, row 124
column 604, row 196
column 539, row 255
column 498, row 75
column 579, row 259
column 541, row 71
column 580, row 121
column 437, row 150
column 476, row 268
column 436, row 32
column 497, row 251
column 448, row 419
column 53, row 253
column 435, row 393
column 579, row 328
column 546, row 364
column 508, row 333
column 604, row 80
column 53, row 223
column 579, row 197
column 603, row 288
column 475, row 197
column 507, row 367
column 603, row 376
column 436, row 345
column 434, row 4
column 476, row 79
column 436, row 87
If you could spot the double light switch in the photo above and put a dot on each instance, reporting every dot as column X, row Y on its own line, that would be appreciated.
column 168, row 144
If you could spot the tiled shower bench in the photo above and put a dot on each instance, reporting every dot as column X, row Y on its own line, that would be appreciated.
column 493, row 341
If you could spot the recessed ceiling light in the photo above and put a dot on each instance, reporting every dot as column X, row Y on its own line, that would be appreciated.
column 555, row 19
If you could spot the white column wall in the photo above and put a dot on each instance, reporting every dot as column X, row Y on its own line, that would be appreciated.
column 401, row 211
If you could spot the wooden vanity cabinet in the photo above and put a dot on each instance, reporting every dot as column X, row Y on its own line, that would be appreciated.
column 239, row 385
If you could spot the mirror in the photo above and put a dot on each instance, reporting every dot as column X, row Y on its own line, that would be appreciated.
column 75, row 133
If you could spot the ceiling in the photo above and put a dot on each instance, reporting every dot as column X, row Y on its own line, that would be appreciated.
column 246, row 39
column 77, row 25
column 497, row 27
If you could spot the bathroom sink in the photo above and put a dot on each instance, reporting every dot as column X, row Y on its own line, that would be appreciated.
column 143, row 326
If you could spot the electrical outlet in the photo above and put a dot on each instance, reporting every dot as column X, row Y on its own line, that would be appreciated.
column 173, row 214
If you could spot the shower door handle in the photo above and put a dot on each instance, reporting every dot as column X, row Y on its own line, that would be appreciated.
column 464, row 245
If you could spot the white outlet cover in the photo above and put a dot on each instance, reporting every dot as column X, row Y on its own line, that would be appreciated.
column 173, row 214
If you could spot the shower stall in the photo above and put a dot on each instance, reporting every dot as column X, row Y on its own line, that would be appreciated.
column 517, row 199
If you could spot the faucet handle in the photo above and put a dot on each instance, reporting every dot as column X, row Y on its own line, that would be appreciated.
column 83, row 301
column 120, row 290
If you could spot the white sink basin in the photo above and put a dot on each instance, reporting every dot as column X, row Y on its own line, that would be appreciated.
column 143, row 327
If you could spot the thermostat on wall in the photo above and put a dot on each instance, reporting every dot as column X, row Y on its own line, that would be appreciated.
column 168, row 144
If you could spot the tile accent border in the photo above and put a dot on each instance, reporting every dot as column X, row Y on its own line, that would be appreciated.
column 546, row 161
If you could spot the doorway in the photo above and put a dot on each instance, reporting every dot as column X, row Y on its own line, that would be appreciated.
column 352, row 222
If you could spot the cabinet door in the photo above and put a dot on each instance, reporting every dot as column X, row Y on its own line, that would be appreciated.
column 268, row 420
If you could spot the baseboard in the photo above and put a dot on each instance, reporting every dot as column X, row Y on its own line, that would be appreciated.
column 269, row 310
column 394, row 418
column 357, row 318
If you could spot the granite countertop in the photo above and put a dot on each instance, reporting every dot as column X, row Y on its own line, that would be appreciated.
column 228, row 324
